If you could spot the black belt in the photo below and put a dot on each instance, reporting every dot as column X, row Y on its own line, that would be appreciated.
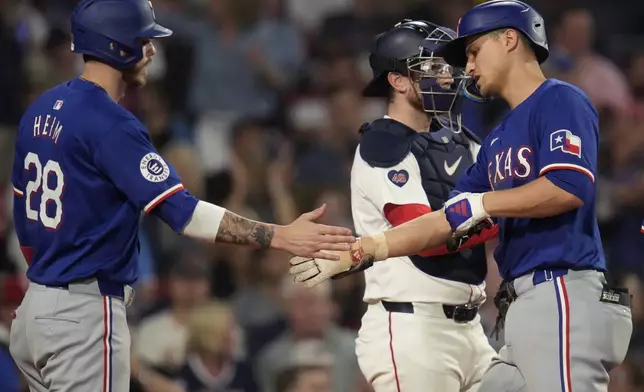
column 458, row 313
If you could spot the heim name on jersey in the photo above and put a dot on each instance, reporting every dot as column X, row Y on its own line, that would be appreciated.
column 46, row 125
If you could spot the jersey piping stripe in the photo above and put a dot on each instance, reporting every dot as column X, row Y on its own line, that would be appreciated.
column 18, row 192
column 564, row 333
column 159, row 199
column 107, row 344
column 391, row 350
column 569, row 166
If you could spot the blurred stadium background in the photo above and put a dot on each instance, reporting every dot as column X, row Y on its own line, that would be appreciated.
column 257, row 104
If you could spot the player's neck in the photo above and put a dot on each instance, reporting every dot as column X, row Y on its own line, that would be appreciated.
column 106, row 77
column 521, row 82
column 410, row 116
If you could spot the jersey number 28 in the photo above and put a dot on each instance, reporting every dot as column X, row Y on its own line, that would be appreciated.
column 48, row 195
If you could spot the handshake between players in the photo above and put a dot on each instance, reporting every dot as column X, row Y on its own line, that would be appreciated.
column 462, row 216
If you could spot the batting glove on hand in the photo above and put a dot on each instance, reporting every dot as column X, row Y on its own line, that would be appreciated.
column 464, row 211
column 454, row 243
column 313, row 271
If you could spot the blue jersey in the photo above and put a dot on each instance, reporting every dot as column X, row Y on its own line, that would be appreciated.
column 553, row 133
column 84, row 170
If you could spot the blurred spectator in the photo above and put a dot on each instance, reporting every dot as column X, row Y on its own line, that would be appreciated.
column 310, row 319
column 61, row 64
column 304, row 379
column 13, row 94
column 259, row 303
column 574, row 60
column 241, row 61
column 636, row 79
column 211, row 364
column 160, row 340
column 625, row 189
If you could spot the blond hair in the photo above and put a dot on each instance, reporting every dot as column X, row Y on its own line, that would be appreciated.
column 209, row 328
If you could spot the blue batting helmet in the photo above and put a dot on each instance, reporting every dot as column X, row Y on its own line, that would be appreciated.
column 113, row 31
column 494, row 15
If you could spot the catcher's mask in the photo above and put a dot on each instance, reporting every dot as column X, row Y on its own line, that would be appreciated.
column 441, row 85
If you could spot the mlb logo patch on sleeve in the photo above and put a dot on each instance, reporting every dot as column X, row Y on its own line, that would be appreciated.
column 565, row 141
column 398, row 177
column 58, row 105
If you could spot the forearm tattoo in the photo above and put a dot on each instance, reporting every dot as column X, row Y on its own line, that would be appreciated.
column 235, row 229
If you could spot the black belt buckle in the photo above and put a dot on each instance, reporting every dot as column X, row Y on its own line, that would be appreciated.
column 461, row 314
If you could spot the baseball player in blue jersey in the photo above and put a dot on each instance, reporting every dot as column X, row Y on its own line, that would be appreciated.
column 566, row 327
column 84, row 170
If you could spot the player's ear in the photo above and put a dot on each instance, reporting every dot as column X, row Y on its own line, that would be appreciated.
column 398, row 82
column 511, row 39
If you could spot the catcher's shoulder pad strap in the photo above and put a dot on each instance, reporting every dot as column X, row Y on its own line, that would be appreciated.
column 471, row 135
column 385, row 142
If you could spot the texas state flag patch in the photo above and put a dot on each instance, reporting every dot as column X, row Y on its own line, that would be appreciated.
column 565, row 141
column 398, row 177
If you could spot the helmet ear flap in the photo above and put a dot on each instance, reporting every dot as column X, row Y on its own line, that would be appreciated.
column 113, row 53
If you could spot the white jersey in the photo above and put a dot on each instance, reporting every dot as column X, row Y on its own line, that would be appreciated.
column 397, row 279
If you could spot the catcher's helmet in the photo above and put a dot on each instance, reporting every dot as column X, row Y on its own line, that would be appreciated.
column 390, row 51
column 493, row 15
column 409, row 48
column 113, row 31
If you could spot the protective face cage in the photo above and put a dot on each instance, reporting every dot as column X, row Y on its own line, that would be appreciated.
column 441, row 86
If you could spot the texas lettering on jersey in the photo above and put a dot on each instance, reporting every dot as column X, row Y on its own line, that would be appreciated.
column 510, row 163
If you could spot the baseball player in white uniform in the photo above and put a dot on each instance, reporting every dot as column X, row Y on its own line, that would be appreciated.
column 421, row 330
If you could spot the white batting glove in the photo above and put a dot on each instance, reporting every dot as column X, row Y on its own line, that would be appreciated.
column 313, row 271
column 464, row 211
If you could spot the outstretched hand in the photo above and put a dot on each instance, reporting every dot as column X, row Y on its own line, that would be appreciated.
column 305, row 238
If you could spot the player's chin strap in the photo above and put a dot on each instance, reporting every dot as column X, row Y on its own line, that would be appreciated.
column 447, row 121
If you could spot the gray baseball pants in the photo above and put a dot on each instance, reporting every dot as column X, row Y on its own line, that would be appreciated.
column 559, row 336
column 72, row 339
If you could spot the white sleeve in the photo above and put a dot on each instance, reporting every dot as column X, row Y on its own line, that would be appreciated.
column 400, row 184
column 205, row 222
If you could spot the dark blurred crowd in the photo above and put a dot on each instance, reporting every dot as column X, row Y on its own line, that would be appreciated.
column 257, row 105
